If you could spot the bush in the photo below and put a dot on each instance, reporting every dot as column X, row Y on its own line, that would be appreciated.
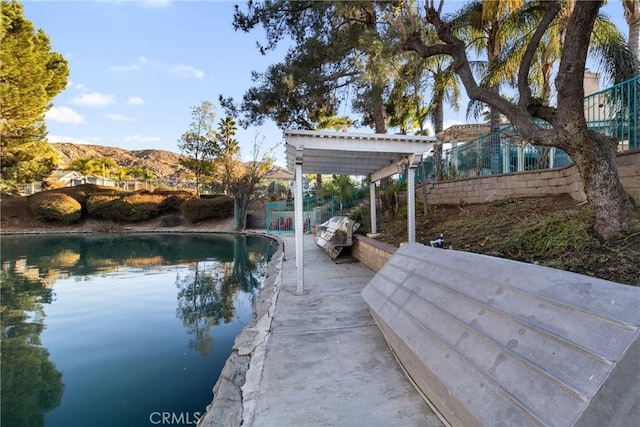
column 132, row 207
column 100, row 205
column 196, row 210
column 173, row 200
column 136, row 207
column 55, row 206
column 82, row 192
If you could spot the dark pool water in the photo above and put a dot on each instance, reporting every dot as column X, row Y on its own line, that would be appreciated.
column 121, row 330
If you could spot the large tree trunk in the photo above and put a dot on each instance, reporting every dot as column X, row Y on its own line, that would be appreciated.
column 632, row 16
column 438, row 126
column 593, row 154
column 595, row 159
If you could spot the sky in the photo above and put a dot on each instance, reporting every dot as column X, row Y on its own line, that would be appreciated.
column 138, row 67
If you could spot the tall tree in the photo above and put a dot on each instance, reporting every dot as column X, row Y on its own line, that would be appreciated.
column 244, row 181
column 489, row 25
column 593, row 154
column 31, row 75
column 338, row 49
column 199, row 144
column 632, row 16
column 228, row 159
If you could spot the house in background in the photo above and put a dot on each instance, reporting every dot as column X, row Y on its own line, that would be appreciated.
column 67, row 179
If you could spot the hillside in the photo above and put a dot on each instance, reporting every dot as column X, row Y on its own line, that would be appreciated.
column 164, row 164
column 555, row 231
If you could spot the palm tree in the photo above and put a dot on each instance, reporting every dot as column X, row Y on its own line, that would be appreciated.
column 490, row 25
column 632, row 16
column 122, row 175
column 85, row 167
column 106, row 164
column 229, row 150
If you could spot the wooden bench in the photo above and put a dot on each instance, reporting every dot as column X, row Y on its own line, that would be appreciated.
column 496, row 342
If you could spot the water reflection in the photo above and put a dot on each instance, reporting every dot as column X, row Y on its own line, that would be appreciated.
column 30, row 383
column 209, row 275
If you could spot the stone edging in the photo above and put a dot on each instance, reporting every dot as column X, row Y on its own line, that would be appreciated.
column 234, row 393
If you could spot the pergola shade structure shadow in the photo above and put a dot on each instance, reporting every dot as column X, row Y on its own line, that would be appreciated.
column 375, row 156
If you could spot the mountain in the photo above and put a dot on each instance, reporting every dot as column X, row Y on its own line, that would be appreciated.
column 164, row 164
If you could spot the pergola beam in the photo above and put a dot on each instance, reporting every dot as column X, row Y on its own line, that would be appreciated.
column 376, row 156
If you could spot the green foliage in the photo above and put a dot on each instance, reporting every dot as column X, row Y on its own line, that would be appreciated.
column 131, row 207
column 30, row 77
column 31, row 385
column 196, row 210
column 552, row 236
column 362, row 216
column 82, row 192
column 173, row 199
column 200, row 143
column 55, row 206
column 99, row 205
column 339, row 49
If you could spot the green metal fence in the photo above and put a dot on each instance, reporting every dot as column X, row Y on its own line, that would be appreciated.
column 613, row 111
column 281, row 215
column 281, row 219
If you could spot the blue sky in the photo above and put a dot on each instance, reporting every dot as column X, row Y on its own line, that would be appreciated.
column 137, row 68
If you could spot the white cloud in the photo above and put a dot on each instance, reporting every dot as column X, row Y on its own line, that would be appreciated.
column 135, row 100
column 123, row 68
column 180, row 69
column 74, row 85
column 65, row 115
column 140, row 138
column 94, row 99
column 71, row 139
column 187, row 70
column 119, row 118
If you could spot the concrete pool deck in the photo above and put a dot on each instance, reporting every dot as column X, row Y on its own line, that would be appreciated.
column 325, row 362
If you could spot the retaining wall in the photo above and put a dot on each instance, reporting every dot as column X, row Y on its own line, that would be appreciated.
column 528, row 184
column 372, row 253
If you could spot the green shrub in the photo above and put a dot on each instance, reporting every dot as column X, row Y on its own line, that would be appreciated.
column 55, row 206
column 100, row 205
column 196, row 210
column 82, row 192
column 361, row 216
column 136, row 207
column 126, row 207
column 173, row 200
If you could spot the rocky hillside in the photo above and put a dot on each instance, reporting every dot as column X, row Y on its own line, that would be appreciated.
column 164, row 164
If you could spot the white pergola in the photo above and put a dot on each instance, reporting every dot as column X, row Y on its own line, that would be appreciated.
column 376, row 156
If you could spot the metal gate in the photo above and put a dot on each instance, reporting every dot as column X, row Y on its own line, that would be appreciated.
column 280, row 216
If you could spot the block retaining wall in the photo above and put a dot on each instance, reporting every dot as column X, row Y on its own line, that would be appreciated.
column 372, row 253
column 530, row 184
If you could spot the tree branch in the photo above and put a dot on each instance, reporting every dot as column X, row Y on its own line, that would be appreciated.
column 570, row 79
column 551, row 10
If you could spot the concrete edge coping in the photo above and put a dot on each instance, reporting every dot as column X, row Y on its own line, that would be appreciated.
column 234, row 393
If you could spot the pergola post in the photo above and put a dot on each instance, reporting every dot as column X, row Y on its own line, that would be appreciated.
column 299, row 224
column 411, row 203
column 373, row 208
